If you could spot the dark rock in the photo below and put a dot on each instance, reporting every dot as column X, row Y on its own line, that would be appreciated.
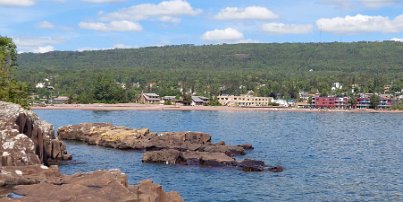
column 250, row 165
column 189, row 158
column 169, row 156
column 276, row 169
column 246, row 146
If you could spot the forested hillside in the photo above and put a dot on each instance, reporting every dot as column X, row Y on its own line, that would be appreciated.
column 268, row 69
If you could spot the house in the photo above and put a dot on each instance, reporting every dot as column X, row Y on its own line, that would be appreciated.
column 149, row 98
column 385, row 101
column 244, row 101
column 324, row 102
column 168, row 100
column 331, row 102
column 337, row 86
column 362, row 103
column 199, row 101
column 281, row 102
column 61, row 100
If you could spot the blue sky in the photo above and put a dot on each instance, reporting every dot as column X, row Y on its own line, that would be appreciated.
column 46, row 25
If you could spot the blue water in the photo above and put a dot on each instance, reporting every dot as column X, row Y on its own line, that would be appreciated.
column 327, row 156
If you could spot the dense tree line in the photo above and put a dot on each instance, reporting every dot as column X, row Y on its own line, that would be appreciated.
column 277, row 70
column 10, row 89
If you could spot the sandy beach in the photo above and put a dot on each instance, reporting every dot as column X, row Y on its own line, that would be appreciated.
column 148, row 107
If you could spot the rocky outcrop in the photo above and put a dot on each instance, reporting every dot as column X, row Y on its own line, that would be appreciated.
column 105, row 134
column 211, row 159
column 40, row 183
column 27, row 140
column 185, row 148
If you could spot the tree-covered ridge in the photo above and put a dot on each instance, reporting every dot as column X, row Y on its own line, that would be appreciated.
column 359, row 56
column 268, row 69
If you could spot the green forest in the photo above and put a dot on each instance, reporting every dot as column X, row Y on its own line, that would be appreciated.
column 276, row 70
column 11, row 90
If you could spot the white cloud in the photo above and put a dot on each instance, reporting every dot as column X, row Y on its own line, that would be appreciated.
column 397, row 39
column 248, row 13
column 164, row 10
column 376, row 3
column 41, row 44
column 44, row 49
column 118, row 26
column 103, row 1
column 17, row 2
column 280, row 28
column 45, row 25
column 223, row 35
column 169, row 19
column 360, row 23
column 121, row 46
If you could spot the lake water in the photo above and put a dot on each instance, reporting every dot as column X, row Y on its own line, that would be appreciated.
column 336, row 156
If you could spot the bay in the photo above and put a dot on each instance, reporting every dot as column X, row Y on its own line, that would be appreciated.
column 335, row 156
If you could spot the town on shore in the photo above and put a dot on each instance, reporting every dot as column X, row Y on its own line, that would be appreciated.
column 149, row 101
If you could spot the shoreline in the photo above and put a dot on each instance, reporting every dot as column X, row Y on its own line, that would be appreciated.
column 157, row 107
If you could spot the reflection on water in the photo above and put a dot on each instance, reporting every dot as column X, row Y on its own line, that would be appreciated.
column 327, row 156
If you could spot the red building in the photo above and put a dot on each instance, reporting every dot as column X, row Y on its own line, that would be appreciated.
column 331, row 102
column 325, row 102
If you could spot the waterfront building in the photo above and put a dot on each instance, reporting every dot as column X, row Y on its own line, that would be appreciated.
column 244, row 101
column 149, row 98
column 199, row 101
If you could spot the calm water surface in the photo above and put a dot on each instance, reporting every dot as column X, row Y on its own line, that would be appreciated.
column 327, row 156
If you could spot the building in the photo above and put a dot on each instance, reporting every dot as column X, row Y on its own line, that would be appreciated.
column 149, row 98
column 244, row 101
column 330, row 102
column 363, row 103
column 385, row 101
column 61, row 100
column 324, row 102
column 199, row 101
column 168, row 100
column 337, row 86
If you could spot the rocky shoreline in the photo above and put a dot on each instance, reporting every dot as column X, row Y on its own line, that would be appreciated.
column 29, row 152
column 184, row 148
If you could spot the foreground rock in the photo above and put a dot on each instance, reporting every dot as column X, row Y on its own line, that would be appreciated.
column 185, row 148
column 39, row 183
column 27, row 140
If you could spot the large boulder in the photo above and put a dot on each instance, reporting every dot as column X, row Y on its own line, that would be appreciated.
column 27, row 140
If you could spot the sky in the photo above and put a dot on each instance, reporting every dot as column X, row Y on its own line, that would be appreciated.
column 46, row 25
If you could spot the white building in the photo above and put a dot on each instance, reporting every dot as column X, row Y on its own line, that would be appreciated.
column 244, row 101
